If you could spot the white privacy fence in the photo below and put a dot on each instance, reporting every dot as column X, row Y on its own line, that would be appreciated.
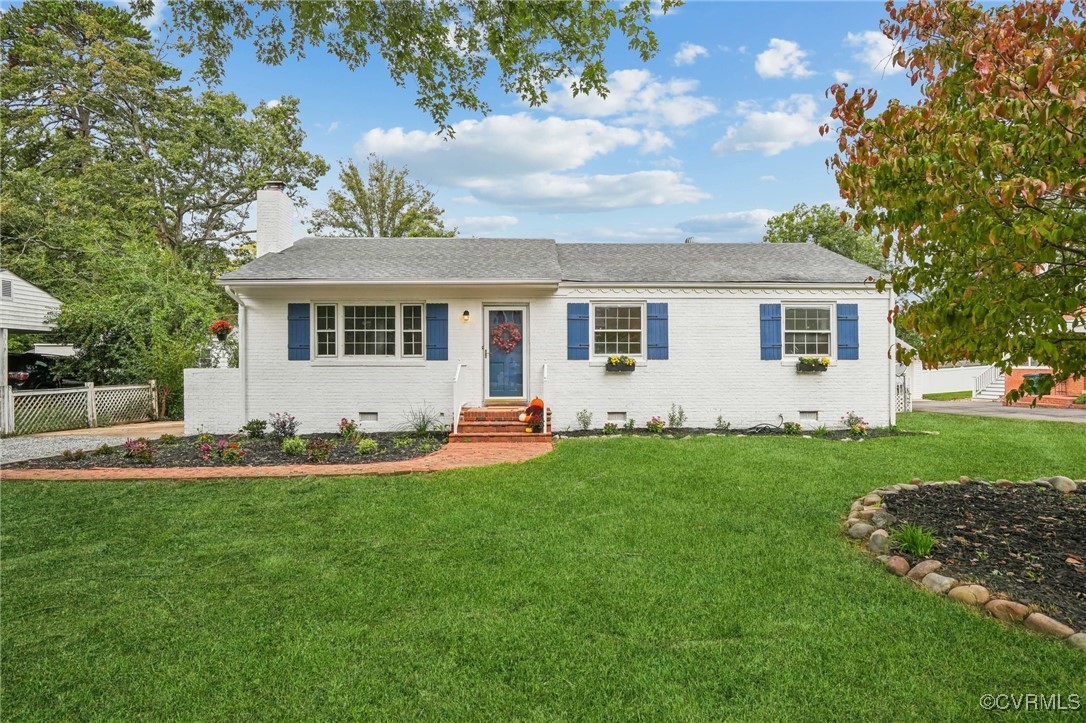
column 51, row 410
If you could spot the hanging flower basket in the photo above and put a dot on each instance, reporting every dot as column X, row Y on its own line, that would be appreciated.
column 621, row 364
column 506, row 336
column 813, row 364
column 221, row 329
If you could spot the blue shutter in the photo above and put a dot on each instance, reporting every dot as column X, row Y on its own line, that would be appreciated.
column 771, row 331
column 657, row 331
column 848, row 331
column 437, row 332
column 577, row 331
column 298, row 332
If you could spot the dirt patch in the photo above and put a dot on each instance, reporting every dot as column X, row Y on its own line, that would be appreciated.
column 187, row 452
column 1026, row 542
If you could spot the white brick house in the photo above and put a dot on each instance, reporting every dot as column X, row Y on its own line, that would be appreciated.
column 370, row 328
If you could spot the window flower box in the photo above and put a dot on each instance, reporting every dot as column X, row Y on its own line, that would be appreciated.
column 811, row 364
column 620, row 364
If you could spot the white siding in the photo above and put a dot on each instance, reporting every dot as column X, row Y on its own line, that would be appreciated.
column 28, row 308
column 714, row 366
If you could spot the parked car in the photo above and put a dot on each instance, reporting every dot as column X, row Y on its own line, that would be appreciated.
column 30, row 371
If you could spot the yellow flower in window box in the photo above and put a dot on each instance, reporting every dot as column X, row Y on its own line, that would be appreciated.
column 621, row 363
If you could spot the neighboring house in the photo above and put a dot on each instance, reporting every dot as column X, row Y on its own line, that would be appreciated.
column 370, row 328
column 23, row 308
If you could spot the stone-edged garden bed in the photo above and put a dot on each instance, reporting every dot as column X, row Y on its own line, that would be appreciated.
column 242, row 451
column 1017, row 549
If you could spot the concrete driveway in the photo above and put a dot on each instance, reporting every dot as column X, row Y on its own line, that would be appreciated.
column 995, row 409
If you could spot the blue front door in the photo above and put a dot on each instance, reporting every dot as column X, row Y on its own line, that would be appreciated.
column 506, row 337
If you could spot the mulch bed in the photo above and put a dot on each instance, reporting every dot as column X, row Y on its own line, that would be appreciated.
column 1026, row 542
column 185, row 452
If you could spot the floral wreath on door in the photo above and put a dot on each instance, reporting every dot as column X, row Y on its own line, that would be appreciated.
column 506, row 336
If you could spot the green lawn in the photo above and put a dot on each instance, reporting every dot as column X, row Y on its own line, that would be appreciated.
column 948, row 396
column 658, row 579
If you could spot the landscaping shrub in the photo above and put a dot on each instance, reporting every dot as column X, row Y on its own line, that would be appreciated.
column 401, row 442
column 676, row 418
column 255, row 428
column 584, row 419
column 792, row 428
column 230, row 452
column 347, row 428
column 366, row 446
column 104, row 450
column 319, row 450
column 293, row 446
column 73, row 454
column 284, row 425
column 140, row 450
column 914, row 540
column 204, row 438
column 721, row 425
column 610, row 428
column 822, row 431
column 168, row 440
column 856, row 425
column 630, row 425
column 1080, row 399
column 422, row 420
column 655, row 425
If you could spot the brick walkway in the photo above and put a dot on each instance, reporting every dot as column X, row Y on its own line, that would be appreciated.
column 453, row 456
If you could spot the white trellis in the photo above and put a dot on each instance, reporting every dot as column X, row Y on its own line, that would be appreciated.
column 51, row 410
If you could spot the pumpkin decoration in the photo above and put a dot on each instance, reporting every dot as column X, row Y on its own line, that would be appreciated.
column 533, row 416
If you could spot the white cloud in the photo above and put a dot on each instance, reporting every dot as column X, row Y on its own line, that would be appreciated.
column 737, row 226
column 874, row 50
column 842, row 76
column 332, row 127
column 790, row 123
column 769, row 179
column 484, row 225
column 637, row 97
column 782, row 58
column 689, row 53
column 273, row 103
column 524, row 162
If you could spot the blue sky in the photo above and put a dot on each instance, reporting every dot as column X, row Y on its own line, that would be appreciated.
column 708, row 139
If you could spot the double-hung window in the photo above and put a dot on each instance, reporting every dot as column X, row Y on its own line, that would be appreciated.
column 369, row 330
column 807, row 330
column 412, row 330
column 326, row 329
column 617, row 329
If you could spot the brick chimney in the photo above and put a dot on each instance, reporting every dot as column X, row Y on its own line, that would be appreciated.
column 274, row 219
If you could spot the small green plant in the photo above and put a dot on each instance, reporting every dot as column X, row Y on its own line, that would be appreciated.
column 73, row 454
column 584, row 419
column 140, row 450
column 294, row 446
column 792, row 428
column 655, row 425
column 347, row 428
column 721, row 425
column 1080, row 399
column 421, row 420
column 429, row 447
column 255, row 428
column 204, row 438
column 366, row 446
column 105, row 450
column 914, row 540
column 821, row 431
column 676, row 418
column 319, row 450
column 168, row 440
column 610, row 428
column 401, row 442
column 230, row 452
column 630, row 425
column 855, row 424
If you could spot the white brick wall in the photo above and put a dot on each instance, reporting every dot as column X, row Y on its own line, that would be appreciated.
column 213, row 399
column 714, row 366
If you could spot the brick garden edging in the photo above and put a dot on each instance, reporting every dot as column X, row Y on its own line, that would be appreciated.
column 868, row 522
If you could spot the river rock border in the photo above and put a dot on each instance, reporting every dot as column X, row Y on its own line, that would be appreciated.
column 869, row 523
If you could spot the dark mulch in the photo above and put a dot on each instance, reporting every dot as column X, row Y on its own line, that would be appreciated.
column 1026, row 542
column 760, row 430
column 185, row 452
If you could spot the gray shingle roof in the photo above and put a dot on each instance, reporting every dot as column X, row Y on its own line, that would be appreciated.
column 708, row 263
column 367, row 260
column 405, row 259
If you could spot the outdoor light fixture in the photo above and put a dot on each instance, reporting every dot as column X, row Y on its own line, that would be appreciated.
column 466, row 316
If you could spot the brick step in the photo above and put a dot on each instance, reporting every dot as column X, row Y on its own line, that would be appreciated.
column 491, row 426
column 493, row 414
column 1053, row 401
column 519, row 437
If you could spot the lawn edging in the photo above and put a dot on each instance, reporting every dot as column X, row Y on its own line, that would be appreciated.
column 868, row 524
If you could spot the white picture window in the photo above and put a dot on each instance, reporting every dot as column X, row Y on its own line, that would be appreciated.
column 412, row 345
column 369, row 330
column 326, row 329
column 807, row 330
column 617, row 329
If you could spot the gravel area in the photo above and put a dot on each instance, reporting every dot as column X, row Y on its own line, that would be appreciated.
column 17, row 449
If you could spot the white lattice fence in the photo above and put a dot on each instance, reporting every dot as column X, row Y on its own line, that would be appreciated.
column 904, row 397
column 118, row 405
column 50, row 410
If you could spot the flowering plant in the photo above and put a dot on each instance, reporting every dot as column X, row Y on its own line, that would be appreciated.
column 792, row 428
column 816, row 361
column 222, row 327
column 655, row 425
column 857, row 425
column 621, row 361
column 347, row 427
column 284, row 425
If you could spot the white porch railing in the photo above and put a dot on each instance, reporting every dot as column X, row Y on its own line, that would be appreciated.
column 543, row 396
column 456, row 396
column 987, row 377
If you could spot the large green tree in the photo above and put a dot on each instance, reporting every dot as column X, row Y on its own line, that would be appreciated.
column 443, row 47
column 828, row 227
column 386, row 204
column 978, row 190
